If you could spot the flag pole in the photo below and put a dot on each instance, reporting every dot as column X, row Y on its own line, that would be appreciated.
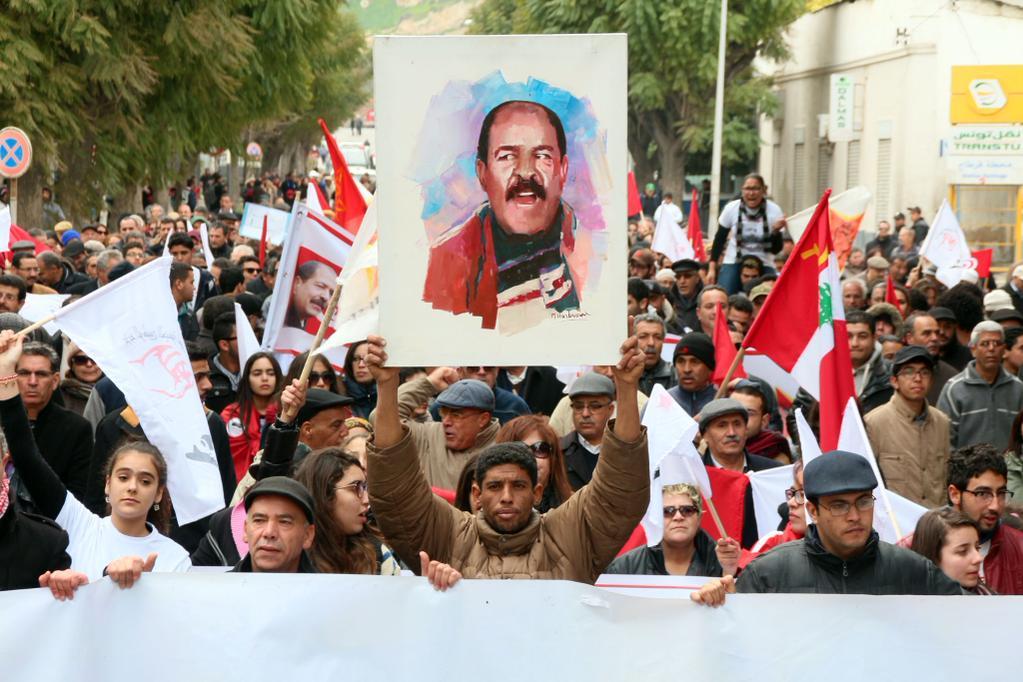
column 35, row 325
column 328, row 315
column 731, row 371
column 714, row 515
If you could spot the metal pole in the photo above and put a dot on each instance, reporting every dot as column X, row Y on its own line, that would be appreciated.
column 719, row 116
column 13, row 205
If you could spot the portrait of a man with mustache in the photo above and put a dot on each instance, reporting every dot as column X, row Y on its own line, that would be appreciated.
column 310, row 293
column 509, row 263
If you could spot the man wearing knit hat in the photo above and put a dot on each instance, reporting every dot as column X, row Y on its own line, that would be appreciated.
column 694, row 365
column 841, row 553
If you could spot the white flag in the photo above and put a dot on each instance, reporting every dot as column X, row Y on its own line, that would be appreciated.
column 139, row 346
column 946, row 247
column 673, row 457
column 669, row 237
column 312, row 198
column 358, row 308
column 769, row 486
column 207, row 251
column 5, row 229
column 41, row 306
column 248, row 345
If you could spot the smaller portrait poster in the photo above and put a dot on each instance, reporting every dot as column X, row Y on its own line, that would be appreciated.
column 501, row 198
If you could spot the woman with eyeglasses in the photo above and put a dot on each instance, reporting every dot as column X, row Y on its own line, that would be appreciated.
column 685, row 549
column 951, row 540
column 79, row 379
column 358, row 381
column 539, row 437
column 255, row 409
column 344, row 542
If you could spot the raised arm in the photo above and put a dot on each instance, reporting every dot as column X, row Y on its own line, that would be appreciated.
column 42, row 482
column 282, row 436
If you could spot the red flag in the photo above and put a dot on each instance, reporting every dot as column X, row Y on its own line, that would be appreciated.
column 635, row 205
column 889, row 293
column 262, row 245
column 695, row 231
column 802, row 325
column 349, row 206
column 724, row 349
column 983, row 256
column 729, row 500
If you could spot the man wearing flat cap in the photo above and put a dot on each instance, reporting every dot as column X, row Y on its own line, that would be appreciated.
column 683, row 295
column 278, row 528
column 694, row 365
column 467, row 423
column 841, row 553
column 592, row 399
column 723, row 426
column 909, row 437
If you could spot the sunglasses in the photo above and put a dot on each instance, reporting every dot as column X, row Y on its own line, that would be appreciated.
column 541, row 450
column 325, row 377
column 686, row 510
column 253, row 271
column 82, row 360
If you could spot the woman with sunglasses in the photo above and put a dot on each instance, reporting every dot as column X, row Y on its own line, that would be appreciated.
column 79, row 379
column 686, row 549
column 322, row 376
column 536, row 433
column 358, row 381
column 255, row 409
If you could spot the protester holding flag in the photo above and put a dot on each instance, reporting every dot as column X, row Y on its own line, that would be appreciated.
column 685, row 549
column 359, row 383
column 539, row 437
column 951, row 539
column 751, row 225
column 256, row 408
column 136, row 483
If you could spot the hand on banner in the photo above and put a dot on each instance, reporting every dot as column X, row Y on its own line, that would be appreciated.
column 441, row 576
column 728, row 552
column 713, row 593
column 376, row 360
column 63, row 584
column 442, row 377
column 292, row 400
column 127, row 570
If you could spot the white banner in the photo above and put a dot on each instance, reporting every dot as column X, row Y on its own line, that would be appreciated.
column 40, row 306
column 346, row 627
column 138, row 345
column 252, row 222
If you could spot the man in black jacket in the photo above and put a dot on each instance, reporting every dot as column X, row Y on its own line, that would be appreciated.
column 841, row 553
column 279, row 528
column 593, row 403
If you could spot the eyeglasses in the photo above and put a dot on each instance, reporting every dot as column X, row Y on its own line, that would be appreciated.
column 325, row 377
column 841, row 508
column 592, row 407
column 686, row 510
column 360, row 360
column 541, row 449
column 796, row 493
column 985, row 495
column 987, row 345
column 912, row 373
column 26, row 373
column 82, row 360
column 477, row 370
column 360, row 488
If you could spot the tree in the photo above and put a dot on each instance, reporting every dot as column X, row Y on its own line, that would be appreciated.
column 114, row 94
column 672, row 67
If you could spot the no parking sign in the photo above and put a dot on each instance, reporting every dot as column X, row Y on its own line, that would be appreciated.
column 15, row 152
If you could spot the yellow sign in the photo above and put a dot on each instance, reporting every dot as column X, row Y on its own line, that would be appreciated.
column 987, row 94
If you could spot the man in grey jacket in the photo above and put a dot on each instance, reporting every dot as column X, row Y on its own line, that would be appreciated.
column 983, row 400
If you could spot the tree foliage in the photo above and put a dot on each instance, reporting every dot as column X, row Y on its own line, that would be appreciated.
column 672, row 66
column 114, row 93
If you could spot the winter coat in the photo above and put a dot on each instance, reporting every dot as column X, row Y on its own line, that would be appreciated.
column 650, row 560
column 64, row 439
column 806, row 567
column 1003, row 565
column 364, row 395
column 911, row 449
column 245, row 438
column 980, row 412
column 576, row 541
column 30, row 545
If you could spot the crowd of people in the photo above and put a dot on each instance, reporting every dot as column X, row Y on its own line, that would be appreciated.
column 507, row 472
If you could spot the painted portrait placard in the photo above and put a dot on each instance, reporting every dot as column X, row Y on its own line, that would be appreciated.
column 501, row 198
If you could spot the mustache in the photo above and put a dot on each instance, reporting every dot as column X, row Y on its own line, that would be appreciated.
column 732, row 439
column 529, row 184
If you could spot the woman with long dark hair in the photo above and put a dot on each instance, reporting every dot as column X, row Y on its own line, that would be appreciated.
column 359, row 383
column 539, row 437
column 322, row 375
column 344, row 541
column 256, row 408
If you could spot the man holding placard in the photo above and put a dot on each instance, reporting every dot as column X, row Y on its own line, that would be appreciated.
column 508, row 539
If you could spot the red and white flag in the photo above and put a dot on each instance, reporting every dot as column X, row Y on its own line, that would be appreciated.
column 349, row 203
column 140, row 348
column 695, row 230
column 802, row 325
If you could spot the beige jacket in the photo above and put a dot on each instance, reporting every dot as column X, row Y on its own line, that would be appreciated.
column 575, row 541
column 441, row 465
column 912, row 450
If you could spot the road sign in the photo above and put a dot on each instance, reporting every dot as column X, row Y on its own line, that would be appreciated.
column 15, row 152
column 253, row 150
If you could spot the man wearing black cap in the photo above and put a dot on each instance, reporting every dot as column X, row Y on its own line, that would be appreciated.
column 467, row 423
column 909, row 437
column 694, row 365
column 592, row 398
column 952, row 352
column 278, row 528
column 841, row 553
column 723, row 428
column 683, row 295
